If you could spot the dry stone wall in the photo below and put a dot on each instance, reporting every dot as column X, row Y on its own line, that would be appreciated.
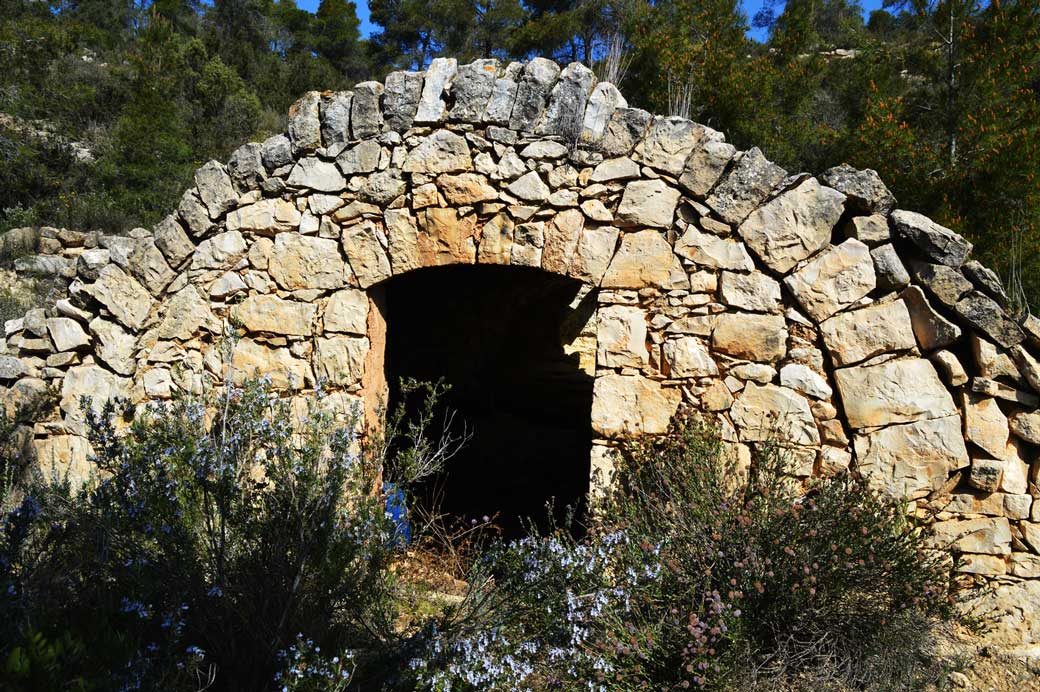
column 792, row 309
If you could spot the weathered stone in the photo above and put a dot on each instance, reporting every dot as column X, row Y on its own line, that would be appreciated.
column 229, row 284
column 536, row 82
column 148, row 266
column 621, row 337
column 938, row 243
column 987, row 536
column 1000, row 390
column 746, row 186
column 834, row 280
column 566, row 108
column 276, row 152
column 122, row 296
column 561, row 240
column 602, row 103
column 989, row 565
column 61, row 457
column 528, row 242
column 985, row 424
column 769, row 413
column 625, row 405
column 753, row 292
column 985, row 474
column 529, row 188
column 266, row 217
column 712, row 251
column 446, row 239
column 669, row 142
column 347, row 311
column 341, row 359
column 89, row 381
column 687, row 356
column 90, row 263
column 401, row 95
column 251, row 359
column 593, row 254
column 931, row 329
column 186, row 313
column 645, row 259
column 897, row 391
column 305, row 123
column 872, row 230
column 360, row 158
column 705, row 166
column 403, row 237
column 987, row 281
column 194, row 214
column 215, row 189
column 496, row 240
column 625, row 129
column 904, row 460
column 306, row 262
column 852, row 337
column 441, row 152
column 983, row 313
column 11, row 368
column 864, row 189
column 620, row 168
column 1017, row 457
column 335, row 117
column 1026, row 425
column 755, row 337
column 503, row 98
column 316, row 174
column 792, row 226
column 804, row 379
column 366, row 120
column 472, row 88
column 383, row 187
column 66, row 334
column 466, row 188
column 950, row 368
column 648, row 203
column 438, row 75
column 889, row 269
column 259, row 313
column 114, row 346
column 365, row 254
column 993, row 362
column 172, row 241
column 946, row 284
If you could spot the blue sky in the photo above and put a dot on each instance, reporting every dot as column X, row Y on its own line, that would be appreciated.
column 750, row 6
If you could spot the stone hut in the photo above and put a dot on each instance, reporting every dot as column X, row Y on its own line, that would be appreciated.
column 608, row 266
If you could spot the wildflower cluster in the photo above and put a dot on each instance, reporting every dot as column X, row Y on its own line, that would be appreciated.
column 305, row 670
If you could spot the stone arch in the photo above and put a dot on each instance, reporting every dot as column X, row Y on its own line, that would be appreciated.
column 791, row 306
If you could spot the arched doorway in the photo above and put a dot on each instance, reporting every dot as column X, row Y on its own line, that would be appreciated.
column 502, row 338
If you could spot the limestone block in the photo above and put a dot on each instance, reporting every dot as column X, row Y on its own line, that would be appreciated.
column 747, row 185
column 334, row 110
column 172, row 241
column 891, row 274
column 530, row 188
column 621, row 337
column 865, row 190
column 528, row 243
column 365, row 254
column 252, row 359
column 347, row 311
column 938, row 243
column 441, row 152
column 305, row 262
column 645, row 259
column 985, row 424
column 438, row 75
column 566, row 108
column 341, row 359
column 360, row 158
column 931, row 329
column 89, row 381
column 446, row 239
column 187, row 312
column 805, row 380
column 215, row 189
column 305, row 123
column 315, row 174
column 1015, row 479
column 503, row 98
column 114, row 346
column 625, row 405
column 769, row 413
column 496, row 240
column 669, row 142
column 64, row 456
column 897, row 391
column 705, row 166
column 834, row 280
column 986, row 315
column 266, row 217
column 871, row 230
column 466, row 188
column 593, row 253
column 122, row 296
column 854, row 336
column 366, row 120
column 268, row 313
column 66, row 334
column 403, row 240
column 709, row 250
column 905, row 460
column 472, row 88
column 535, row 83
column 986, row 536
column 648, row 203
column 755, row 337
column 561, row 240
column 219, row 251
column 1026, row 426
column 619, row 168
column 602, row 103
column 687, row 356
column 276, row 152
column 753, row 292
column 950, row 368
column 625, row 129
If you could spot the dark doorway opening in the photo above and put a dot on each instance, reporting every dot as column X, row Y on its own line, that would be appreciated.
column 496, row 335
